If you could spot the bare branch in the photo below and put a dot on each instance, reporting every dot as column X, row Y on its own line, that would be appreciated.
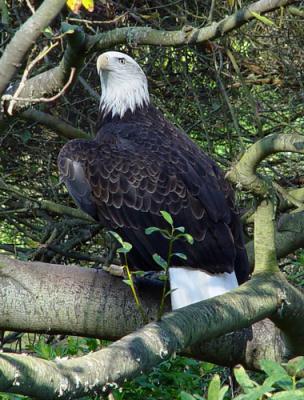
column 61, row 127
column 24, row 39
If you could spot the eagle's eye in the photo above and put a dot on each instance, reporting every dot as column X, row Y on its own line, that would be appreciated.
column 122, row 60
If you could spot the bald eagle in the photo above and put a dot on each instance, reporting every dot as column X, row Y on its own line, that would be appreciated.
column 140, row 164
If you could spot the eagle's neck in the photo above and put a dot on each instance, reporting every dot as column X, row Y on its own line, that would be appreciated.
column 122, row 95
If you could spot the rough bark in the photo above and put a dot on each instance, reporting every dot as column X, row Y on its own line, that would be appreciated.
column 98, row 304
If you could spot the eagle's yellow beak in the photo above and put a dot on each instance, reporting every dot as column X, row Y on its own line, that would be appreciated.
column 102, row 62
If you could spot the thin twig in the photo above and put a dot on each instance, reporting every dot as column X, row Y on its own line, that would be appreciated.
column 25, row 75
column 87, row 21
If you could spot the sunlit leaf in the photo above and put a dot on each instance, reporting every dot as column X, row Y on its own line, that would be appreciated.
column 88, row 5
column 75, row 5
column 167, row 217
column 295, row 365
column 222, row 392
column 151, row 229
column 189, row 238
column 214, row 388
column 160, row 261
column 180, row 255
column 243, row 379
column 289, row 395
column 116, row 236
column 186, row 396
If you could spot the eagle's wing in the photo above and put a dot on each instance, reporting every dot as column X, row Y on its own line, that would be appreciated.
column 125, row 185
column 114, row 178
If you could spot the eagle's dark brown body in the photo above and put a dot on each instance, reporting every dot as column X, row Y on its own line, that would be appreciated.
column 141, row 164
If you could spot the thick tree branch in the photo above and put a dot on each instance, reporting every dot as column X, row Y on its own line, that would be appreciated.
column 264, row 239
column 289, row 236
column 24, row 39
column 189, row 34
column 244, row 174
column 87, row 298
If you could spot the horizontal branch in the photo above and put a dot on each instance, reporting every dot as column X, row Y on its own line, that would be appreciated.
column 61, row 127
column 92, row 303
column 187, row 35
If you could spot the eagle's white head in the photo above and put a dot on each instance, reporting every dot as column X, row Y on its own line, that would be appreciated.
column 123, row 84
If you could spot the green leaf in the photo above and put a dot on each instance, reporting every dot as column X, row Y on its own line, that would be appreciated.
column 243, row 379
column 180, row 229
column 222, row 392
column 289, row 395
column 48, row 32
column 167, row 217
column 276, row 374
column 214, row 388
column 255, row 393
column 151, row 229
column 189, row 238
column 127, row 246
column 271, row 367
column 160, row 261
column 295, row 365
column 116, row 236
column 186, row 396
column 127, row 282
column 122, row 250
column 26, row 136
column 138, row 273
column 170, row 291
column 263, row 19
column 180, row 255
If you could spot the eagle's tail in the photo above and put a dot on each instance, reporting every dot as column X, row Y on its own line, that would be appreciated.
column 189, row 285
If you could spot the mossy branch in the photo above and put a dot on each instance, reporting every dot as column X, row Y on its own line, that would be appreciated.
column 244, row 175
column 187, row 35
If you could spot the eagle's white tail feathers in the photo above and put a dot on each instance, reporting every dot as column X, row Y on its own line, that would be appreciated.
column 192, row 285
